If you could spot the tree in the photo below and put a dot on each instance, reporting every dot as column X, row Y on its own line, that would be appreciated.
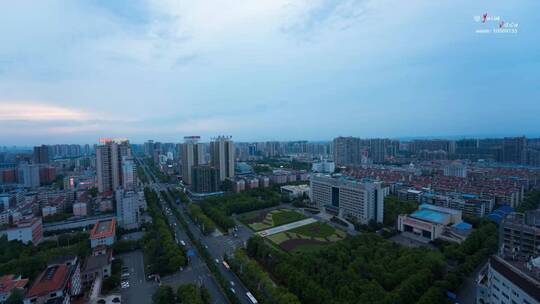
column 163, row 295
column 16, row 297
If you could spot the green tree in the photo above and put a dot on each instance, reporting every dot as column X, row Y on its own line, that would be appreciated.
column 163, row 295
column 16, row 297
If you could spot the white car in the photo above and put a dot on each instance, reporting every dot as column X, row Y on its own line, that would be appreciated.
column 233, row 291
column 125, row 285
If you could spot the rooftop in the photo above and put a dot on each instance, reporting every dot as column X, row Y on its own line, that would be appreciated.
column 519, row 273
column 431, row 216
column 103, row 229
column 52, row 279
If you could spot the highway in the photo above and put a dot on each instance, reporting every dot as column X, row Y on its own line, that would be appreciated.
column 217, row 246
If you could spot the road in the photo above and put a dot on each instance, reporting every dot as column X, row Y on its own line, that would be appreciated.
column 217, row 246
column 197, row 271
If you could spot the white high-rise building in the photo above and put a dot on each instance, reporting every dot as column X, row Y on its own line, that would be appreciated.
column 348, row 197
column 108, row 163
column 129, row 205
column 129, row 173
column 222, row 156
column 192, row 155
column 30, row 175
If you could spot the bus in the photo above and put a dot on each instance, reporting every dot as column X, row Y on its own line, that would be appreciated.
column 251, row 298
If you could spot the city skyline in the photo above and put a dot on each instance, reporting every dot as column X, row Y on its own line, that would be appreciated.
column 275, row 70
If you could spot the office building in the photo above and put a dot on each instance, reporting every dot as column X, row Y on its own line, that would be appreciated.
column 192, row 155
column 222, row 156
column 109, row 155
column 348, row 197
column 508, row 280
column 103, row 233
column 27, row 231
column 41, row 154
column 205, row 179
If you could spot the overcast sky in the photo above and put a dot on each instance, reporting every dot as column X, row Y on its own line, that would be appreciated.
column 74, row 71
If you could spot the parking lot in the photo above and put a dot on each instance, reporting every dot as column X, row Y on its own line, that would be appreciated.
column 140, row 290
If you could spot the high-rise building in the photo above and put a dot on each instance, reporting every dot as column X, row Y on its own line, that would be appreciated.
column 348, row 197
column 515, row 150
column 222, row 156
column 205, row 179
column 128, row 208
column 109, row 155
column 347, row 151
column 192, row 155
column 29, row 175
column 129, row 173
column 41, row 154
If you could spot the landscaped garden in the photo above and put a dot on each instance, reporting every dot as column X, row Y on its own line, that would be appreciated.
column 310, row 237
column 262, row 220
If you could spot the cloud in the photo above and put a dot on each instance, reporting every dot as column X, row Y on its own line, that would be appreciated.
column 13, row 111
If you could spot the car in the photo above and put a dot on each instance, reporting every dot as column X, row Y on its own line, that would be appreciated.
column 217, row 261
column 233, row 291
column 232, row 283
column 124, row 285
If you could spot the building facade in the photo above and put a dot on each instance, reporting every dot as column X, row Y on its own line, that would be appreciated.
column 205, row 179
column 347, row 197
column 222, row 155
column 109, row 156
column 192, row 155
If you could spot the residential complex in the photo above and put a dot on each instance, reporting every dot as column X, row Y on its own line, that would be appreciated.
column 109, row 156
column 192, row 155
column 222, row 156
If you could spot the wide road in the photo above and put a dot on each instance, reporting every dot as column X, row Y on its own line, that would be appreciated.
column 217, row 246
column 197, row 271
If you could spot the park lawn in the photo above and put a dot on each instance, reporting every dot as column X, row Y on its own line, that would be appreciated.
column 278, row 238
column 317, row 230
column 282, row 217
column 272, row 219
column 259, row 226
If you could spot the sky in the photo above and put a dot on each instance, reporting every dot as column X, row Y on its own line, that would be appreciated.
column 75, row 71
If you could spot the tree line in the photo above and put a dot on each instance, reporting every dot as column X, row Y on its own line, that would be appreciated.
column 162, row 254
column 185, row 294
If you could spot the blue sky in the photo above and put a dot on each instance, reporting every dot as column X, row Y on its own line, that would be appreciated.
column 74, row 71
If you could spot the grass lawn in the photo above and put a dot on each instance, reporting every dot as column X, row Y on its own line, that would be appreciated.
column 262, row 220
column 282, row 217
column 318, row 230
column 278, row 238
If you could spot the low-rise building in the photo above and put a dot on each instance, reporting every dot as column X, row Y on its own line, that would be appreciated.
column 27, row 231
column 103, row 233
column 80, row 209
column 508, row 280
column 57, row 284
column 519, row 233
column 97, row 265
column 294, row 191
column 469, row 205
column 432, row 222
column 48, row 211
column 8, row 283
